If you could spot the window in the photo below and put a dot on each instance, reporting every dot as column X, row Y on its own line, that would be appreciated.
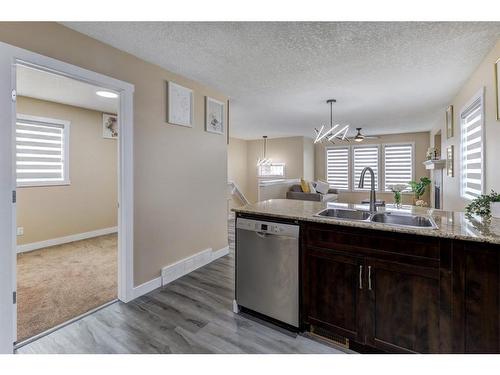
column 337, row 167
column 272, row 170
column 398, row 164
column 41, row 151
column 365, row 156
column 471, row 121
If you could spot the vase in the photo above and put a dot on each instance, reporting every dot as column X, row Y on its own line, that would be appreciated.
column 495, row 209
column 397, row 199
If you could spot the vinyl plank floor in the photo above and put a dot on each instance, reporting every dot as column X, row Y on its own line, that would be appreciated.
column 190, row 315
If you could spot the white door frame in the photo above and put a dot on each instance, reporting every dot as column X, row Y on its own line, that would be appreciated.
column 10, row 56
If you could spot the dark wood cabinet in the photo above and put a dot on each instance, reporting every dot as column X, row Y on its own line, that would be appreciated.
column 334, row 293
column 476, row 298
column 380, row 290
column 403, row 314
column 418, row 294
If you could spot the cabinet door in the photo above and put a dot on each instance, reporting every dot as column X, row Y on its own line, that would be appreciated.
column 476, row 302
column 333, row 288
column 404, row 307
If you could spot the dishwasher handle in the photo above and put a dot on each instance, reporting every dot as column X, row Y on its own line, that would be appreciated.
column 262, row 234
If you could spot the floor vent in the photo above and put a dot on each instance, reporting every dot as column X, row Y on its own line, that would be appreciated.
column 331, row 337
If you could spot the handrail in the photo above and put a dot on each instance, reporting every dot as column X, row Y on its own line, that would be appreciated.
column 235, row 190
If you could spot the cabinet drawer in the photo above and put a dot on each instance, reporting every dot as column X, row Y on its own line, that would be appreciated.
column 368, row 241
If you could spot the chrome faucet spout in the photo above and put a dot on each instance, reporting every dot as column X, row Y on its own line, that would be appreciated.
column 361, row 185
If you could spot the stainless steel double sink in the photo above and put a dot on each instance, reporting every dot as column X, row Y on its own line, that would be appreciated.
column 388, row 218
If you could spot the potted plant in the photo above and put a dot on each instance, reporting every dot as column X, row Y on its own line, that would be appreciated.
column 396, row 190
column 486, row 206
column 418, row 188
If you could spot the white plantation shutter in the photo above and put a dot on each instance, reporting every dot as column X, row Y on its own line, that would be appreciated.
column 398, row 165
column 472, row 149
column 365, row 156
column 337, row 167
column 41, row 151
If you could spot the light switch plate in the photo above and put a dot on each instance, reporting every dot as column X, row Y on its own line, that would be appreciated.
column 20, row 231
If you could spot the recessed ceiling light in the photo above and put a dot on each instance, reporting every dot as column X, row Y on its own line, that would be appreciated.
column 107, row 94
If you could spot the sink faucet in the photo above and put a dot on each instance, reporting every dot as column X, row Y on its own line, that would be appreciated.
column 372, row 189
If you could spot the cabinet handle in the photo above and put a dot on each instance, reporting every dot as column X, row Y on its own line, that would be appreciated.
column 369, row 277
column 360, row 277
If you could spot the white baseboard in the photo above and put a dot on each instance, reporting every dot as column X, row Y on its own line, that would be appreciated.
column 147, row 287
column 62, row 240
column 220, row 253
column 179, row 269
column 187, row 265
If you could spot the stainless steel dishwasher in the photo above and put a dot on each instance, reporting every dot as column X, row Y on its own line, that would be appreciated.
column 267, row 269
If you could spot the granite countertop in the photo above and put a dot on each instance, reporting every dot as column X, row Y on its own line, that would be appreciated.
column 453, row 225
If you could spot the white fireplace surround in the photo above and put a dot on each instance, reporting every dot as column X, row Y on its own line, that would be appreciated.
column 437, row 167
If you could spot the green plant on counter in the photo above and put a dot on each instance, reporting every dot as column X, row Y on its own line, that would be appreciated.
column 481, row 206
column 418, row 188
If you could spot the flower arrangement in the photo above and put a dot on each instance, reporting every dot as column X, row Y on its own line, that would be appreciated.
column 431, row 153
column 421, row 203
column 396, row 190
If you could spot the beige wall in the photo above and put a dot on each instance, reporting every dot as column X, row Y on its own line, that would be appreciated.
column 290, row 150
column 180, row 174
column 309, row 158
column 483, row 76
column 237, row 166
column 89, row 202
column 421, row 140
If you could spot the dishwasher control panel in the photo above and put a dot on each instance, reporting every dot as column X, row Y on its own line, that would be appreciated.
column 267, row 227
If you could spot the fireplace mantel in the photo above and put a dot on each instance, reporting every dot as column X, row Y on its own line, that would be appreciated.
column 435, row 164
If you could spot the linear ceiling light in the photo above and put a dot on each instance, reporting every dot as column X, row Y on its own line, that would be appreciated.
column 331, row 134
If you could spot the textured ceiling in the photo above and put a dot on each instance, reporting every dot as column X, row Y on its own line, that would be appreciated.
column 55, row 88
column 387, row 77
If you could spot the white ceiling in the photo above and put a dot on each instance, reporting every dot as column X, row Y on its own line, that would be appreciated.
column 387, row 77
column 56, row 88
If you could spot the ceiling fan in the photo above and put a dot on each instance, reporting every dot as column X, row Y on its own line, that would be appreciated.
column 360, row 137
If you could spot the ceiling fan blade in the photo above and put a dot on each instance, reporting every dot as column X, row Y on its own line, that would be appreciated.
column 371, row 137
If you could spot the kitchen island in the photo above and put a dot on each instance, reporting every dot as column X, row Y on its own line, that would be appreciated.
column 375, row 286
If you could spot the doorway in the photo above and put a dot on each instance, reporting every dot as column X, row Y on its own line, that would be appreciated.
column 67, row 193
column 11, row 59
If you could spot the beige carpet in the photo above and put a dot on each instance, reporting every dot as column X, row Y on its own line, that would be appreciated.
column 61, row 282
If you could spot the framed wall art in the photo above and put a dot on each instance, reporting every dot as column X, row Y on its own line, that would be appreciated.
column 497, row 86
column 449, row 121
column 109, row 126
column 449, row 161
column 214, row 116
column 179, row 105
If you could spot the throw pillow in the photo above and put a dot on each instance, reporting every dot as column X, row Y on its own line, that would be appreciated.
column 322, row 187
column 312, row 189
column 304, row 185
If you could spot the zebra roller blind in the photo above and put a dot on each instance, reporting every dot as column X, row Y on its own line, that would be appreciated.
column 365, row 156
column 398, row 165
column 337, row 167
column 41, row 151
column 472, row 150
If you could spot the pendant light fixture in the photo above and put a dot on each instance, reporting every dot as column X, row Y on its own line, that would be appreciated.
column 335, row 132
column 264, row 160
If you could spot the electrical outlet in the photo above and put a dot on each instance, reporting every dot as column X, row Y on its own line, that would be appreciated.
column 20, row 231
